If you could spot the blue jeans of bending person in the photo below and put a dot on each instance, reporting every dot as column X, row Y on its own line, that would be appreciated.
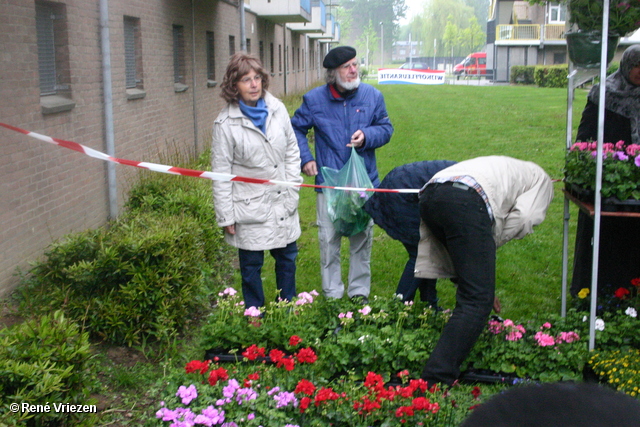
column 409, row 284
column 251, row 263
column 457, row 216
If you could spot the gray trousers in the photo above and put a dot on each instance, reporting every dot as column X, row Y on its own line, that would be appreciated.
column 359, row 256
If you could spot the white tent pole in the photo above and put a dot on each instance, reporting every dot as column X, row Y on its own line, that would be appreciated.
column 598, row 204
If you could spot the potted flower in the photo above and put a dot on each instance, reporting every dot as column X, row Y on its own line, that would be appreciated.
column 583, row 43
column 620, row 173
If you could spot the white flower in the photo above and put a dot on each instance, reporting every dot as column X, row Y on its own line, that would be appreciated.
column 599, row 325
column 631, row 312
column 362, row 338
column 365, row 310
column 584, row 319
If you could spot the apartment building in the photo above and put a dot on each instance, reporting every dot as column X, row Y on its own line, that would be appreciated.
column 132, row 78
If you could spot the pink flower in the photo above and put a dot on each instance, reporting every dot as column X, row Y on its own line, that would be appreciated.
column 187, row 394
column 544, row 340
column 252, row 311
column 568, row 337
column 495, row 326
column 365, row 310
column 620, row 156
column 632, row 149
column 637, row 161
column 546, row 325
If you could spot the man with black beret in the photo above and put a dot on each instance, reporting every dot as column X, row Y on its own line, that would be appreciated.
column 344, row 113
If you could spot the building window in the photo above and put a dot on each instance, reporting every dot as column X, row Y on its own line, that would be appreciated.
column 248, row 45
column 299, row 68
column 54, row 70
column 261, row 51
column 557, row 13
column 211, row 57
column 560, row 58
column 132, row 53
column 280, row 58
column 232, row 45
column 179, row 61
column 271, row 56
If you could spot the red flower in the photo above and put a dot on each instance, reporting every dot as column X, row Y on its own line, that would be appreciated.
column 403, row 374
column 636, row 282
column 253, row 352
column 304, row 404
column 276, row 355
column 404, row 411
column 622, row 293
column 421, row 385
column 197, row 365
column 305, row 387
column 216, row 375
column 374, row 381
column 294, row 340
column 476, row 392
column 306, row 355
column 421, row 404
column 287, row 362
column 325, row 394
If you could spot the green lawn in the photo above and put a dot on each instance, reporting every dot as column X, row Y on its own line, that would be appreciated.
column 456, row 123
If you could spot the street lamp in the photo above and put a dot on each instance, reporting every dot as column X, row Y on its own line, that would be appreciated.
column 381, row 44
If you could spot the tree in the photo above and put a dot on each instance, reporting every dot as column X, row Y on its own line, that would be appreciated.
column 367, row 44
column 370, row 14
column 432, row 25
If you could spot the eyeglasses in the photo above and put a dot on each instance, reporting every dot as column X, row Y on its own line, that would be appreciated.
column 246, row 80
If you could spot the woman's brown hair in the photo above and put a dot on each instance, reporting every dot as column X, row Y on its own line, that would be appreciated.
column 240, row 65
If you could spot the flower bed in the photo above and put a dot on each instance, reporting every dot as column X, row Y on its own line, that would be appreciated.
column 353, row 365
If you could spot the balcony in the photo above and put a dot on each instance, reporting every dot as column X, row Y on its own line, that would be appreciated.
column 318, row 22
column 530, row 34
column 329, row 32
column 281, row 11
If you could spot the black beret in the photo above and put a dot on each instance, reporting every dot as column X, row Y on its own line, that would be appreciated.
column 338, row 56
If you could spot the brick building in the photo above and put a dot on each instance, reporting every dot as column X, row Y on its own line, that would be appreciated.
column 132, row 78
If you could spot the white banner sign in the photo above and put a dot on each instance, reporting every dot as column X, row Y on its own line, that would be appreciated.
column 395, row 76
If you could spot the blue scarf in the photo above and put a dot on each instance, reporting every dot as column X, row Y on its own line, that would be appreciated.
column 258, row 114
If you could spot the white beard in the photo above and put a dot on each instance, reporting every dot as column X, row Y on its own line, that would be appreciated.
column 348, row 85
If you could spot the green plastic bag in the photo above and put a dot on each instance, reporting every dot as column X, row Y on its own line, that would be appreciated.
column 345, row 206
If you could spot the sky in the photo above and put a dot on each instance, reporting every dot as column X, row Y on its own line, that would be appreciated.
column 413, row 8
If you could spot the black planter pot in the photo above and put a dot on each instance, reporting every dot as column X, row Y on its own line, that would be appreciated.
column 584, row 48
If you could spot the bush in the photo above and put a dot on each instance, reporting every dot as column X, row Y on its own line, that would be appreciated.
column 522, row 74
column 45, row 362
column 551, row 75
column 146, row 276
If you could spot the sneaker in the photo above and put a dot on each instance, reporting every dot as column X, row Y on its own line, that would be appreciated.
column 360, row 299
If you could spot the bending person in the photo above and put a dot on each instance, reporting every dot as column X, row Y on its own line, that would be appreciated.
column 398, row 214
column 468, row 210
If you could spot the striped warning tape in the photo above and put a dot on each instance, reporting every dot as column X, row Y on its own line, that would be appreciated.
column 190, row 172
column 186, row 172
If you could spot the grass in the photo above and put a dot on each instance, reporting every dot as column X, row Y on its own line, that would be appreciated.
column 456, row 123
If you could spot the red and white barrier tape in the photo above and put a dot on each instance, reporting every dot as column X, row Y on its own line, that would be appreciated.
column 182, row 171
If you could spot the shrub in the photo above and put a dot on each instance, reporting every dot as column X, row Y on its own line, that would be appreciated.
column 45, row 361
column 551, row 75
column 147, row 275
column 522, row 74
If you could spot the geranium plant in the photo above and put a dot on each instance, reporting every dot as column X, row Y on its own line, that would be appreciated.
column 620, row 169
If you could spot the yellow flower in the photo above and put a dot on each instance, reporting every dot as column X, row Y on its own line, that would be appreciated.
column 583, row 293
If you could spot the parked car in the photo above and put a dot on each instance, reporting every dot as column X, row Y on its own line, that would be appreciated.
column 474, row 64
column 414, row 66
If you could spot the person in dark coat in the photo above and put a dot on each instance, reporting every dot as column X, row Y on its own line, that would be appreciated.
column 619, row 252
column 398, row 214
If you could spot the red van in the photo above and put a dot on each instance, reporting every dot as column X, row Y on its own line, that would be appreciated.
column 474, row 64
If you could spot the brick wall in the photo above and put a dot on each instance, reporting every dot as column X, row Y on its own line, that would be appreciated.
column 48, row 192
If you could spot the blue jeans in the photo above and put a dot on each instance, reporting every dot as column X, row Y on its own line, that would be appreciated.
column 409, row 284
column 459, row 219
column 251, row 268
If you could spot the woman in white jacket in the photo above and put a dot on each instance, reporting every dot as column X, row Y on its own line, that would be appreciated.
column 253, row 137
